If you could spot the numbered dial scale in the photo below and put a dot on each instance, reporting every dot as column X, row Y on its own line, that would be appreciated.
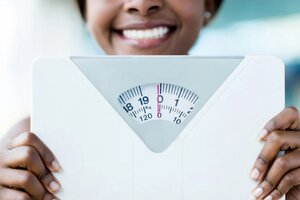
column 158, row 101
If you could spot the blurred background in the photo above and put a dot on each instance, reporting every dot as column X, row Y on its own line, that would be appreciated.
column 31, row 28
column 260, row 27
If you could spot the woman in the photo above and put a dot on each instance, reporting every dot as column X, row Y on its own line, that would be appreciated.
column 149, row 27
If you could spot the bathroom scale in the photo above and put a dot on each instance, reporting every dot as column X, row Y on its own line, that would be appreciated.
column 155, row 127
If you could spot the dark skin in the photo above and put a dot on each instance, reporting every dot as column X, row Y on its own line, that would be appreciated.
column 26, row 163
column 120, row 15
column 280, row 175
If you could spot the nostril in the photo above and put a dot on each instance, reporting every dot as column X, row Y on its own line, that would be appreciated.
column 132, row 10
column 144, row 11
column 153, row 9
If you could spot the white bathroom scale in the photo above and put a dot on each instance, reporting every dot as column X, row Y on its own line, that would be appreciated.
column 155, row 127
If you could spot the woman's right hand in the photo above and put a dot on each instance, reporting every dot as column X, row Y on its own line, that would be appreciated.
column 26, row 167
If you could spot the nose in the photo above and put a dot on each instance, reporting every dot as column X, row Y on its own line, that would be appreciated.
column 143, row 7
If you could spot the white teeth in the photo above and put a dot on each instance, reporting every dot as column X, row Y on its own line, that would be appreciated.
column 154, row 33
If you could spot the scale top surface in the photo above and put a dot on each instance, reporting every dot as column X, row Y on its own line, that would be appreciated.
column 151, row 127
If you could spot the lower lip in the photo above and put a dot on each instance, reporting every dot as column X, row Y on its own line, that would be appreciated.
column 145, row 43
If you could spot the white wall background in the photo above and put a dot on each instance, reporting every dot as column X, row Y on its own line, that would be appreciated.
column 29, row 29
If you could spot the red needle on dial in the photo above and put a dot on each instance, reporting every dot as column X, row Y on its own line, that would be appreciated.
column 158, row 106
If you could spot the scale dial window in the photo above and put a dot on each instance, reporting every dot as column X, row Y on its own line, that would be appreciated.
column 158, row 101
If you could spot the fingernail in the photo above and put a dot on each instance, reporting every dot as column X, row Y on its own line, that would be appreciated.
column 56, row 166
column 268, row 197
column 258, row 192
column 54, row 186
column 254, row 174
column 262, row 134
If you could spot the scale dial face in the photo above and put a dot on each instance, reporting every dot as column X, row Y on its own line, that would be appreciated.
column 158, row 101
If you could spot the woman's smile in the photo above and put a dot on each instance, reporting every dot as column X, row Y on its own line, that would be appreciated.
column 140, row 27
column 144, row 35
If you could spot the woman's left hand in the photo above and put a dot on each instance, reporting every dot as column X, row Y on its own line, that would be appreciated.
column 279, row 175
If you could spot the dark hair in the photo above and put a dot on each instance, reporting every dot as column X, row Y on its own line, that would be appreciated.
column 218, row 4
column 82, row 6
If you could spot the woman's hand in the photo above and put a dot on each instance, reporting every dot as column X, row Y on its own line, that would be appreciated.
column 26, row 167
column 279, row 175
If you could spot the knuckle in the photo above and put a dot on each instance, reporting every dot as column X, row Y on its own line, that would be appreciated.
column 281, row 163
column 23, row 196
column 48, row 196
column 279, row 192
column 262, row 160
column 44, row 175
column 289, row 180
column 275, row 137
column 42, row 195
column 293, row 109
column 48, row 155
column 269, row 182
column 29, row 154
column 26, row 179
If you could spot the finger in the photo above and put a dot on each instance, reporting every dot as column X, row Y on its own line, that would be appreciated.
column 27, row 157
column 290, row 180
column 287, row 119
column 280, row 167
column 23, row 179
column 30, row 139
column 277, row 141
column 11, row 194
